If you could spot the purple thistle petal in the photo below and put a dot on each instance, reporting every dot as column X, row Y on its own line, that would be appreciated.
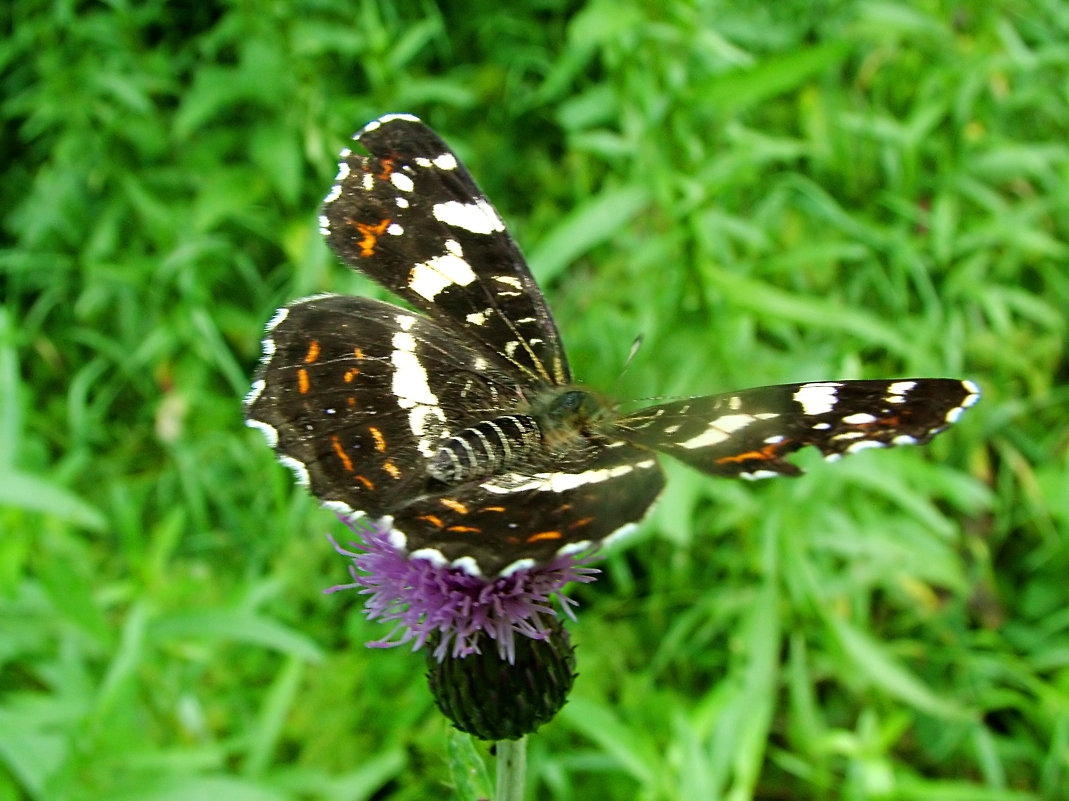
column 425, row 599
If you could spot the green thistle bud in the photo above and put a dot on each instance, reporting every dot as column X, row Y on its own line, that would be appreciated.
column 488, row 697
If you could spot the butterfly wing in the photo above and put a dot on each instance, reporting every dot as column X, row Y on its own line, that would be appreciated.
column 520, row 519
column 410, row 217
column 356, row 396
column 747, row 434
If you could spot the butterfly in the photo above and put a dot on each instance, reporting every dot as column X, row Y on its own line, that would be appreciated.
column 459, row 427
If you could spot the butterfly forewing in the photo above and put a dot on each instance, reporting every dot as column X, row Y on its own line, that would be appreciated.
column 358, row 394
column 749, row 433
column 410, row 217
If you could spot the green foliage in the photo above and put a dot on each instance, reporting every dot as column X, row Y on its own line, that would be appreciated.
column 766, row 191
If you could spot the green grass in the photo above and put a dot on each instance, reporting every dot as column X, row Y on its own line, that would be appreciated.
column 766, row 192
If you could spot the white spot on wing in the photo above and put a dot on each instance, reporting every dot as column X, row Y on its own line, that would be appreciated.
column 446, row 161
column 432, row 276
column 376, row 124
column 859, row 419
column 432, row 555
column 341, row 508
column 398, row 539
column 559, row 482
column 300, row 472
column 848, row 435
column 402, row 181
column 269, row 431
column 519, row 564
column 276, row 321
column 253, row 394
column 865, row 445
column 410, row 385
column 757, row 475
column 333, row 194
column 897, row 391
column 478, row 217
column 718, row 430
column 817, row 398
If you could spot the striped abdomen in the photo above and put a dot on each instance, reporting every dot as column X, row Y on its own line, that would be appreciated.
column 486, row 448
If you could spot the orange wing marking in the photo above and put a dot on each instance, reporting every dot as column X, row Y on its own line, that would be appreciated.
column 392, row 469
column 370, row 234
column 456, row 506
column 366, row 483
column 313, row 352
column 302, row 381
column 434, row 521
column 380, row 441
column 544, row 535
column 766, row 454
column 338, row 449
column 465, row 530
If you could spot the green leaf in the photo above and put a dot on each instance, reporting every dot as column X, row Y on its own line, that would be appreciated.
column 589, row 224
column 30, row 493
column 877, row 667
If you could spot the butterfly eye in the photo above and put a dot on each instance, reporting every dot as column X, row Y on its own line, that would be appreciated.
column 568, row 403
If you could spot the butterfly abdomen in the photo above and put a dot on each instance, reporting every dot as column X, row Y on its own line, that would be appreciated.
column 487, row 448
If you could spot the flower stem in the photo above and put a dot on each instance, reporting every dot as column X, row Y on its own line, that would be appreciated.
column 511, row 767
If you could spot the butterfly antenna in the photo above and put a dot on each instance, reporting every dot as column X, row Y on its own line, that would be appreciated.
column 627, row 362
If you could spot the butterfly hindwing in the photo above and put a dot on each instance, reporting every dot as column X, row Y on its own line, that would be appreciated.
column 520, row 519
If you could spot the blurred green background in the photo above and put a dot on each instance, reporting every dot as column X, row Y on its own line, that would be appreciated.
column 767, row 192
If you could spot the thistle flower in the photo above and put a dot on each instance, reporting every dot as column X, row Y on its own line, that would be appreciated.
column 457, row 612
